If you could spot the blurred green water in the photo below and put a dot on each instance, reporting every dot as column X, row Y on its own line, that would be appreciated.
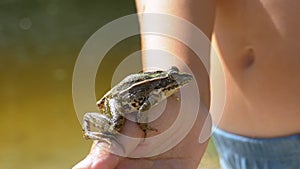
column 39, row 44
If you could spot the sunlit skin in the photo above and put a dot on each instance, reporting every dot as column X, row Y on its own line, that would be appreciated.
column 257, row 41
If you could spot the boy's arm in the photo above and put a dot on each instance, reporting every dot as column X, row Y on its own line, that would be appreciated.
column 199, row 13
column 187, row 153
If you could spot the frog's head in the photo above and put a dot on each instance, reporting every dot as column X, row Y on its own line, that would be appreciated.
column 178, row 78
column 174, row 80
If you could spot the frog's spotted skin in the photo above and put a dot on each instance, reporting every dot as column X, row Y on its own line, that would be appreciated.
column 136, row 93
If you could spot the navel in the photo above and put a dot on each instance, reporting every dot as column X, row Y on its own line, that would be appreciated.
column 248, row 58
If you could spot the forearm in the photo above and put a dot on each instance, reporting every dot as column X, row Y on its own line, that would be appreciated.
column 199, row 13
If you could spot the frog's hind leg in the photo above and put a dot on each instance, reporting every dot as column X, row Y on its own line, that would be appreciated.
column 142, row 116
column 96, row 120
column 102, row 137
column 101, row 123
column 118, row 119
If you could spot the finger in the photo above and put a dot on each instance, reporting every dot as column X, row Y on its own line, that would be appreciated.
column 135, row 164
column 98, row 158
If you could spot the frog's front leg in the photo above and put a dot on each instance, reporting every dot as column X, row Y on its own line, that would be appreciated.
column 105, row 130
column 142, row 115
column 117, row 113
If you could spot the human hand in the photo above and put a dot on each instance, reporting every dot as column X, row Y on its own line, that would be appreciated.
column 187, row 154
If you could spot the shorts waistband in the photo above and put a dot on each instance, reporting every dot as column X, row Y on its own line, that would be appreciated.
column 272, row 148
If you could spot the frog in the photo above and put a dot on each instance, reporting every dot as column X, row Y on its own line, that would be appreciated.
column 135, row 94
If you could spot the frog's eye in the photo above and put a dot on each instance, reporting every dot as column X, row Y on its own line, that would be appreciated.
column 172, row 73
column 171, row 76
column 174, row 70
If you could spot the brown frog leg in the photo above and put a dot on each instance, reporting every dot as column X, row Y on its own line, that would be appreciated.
column 117, row 120
column 103, row 124
column 142, row 115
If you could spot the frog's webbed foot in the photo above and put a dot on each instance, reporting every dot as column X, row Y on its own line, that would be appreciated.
column 105, row 132
column 145, row 127
column 101, row 137
column 142, row 117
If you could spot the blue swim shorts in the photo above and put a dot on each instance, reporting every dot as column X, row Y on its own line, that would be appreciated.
column 239, row 152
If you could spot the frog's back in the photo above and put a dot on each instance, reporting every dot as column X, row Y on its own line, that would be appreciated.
column 135, row 78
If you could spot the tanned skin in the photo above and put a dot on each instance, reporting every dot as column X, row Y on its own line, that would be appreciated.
column 258, row 44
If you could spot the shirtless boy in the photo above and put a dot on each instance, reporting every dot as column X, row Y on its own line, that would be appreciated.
column 258, row 43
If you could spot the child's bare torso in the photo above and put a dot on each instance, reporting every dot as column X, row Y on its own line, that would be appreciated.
column 258, row 41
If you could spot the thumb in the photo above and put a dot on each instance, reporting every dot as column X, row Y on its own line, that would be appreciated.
column 98, row 158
